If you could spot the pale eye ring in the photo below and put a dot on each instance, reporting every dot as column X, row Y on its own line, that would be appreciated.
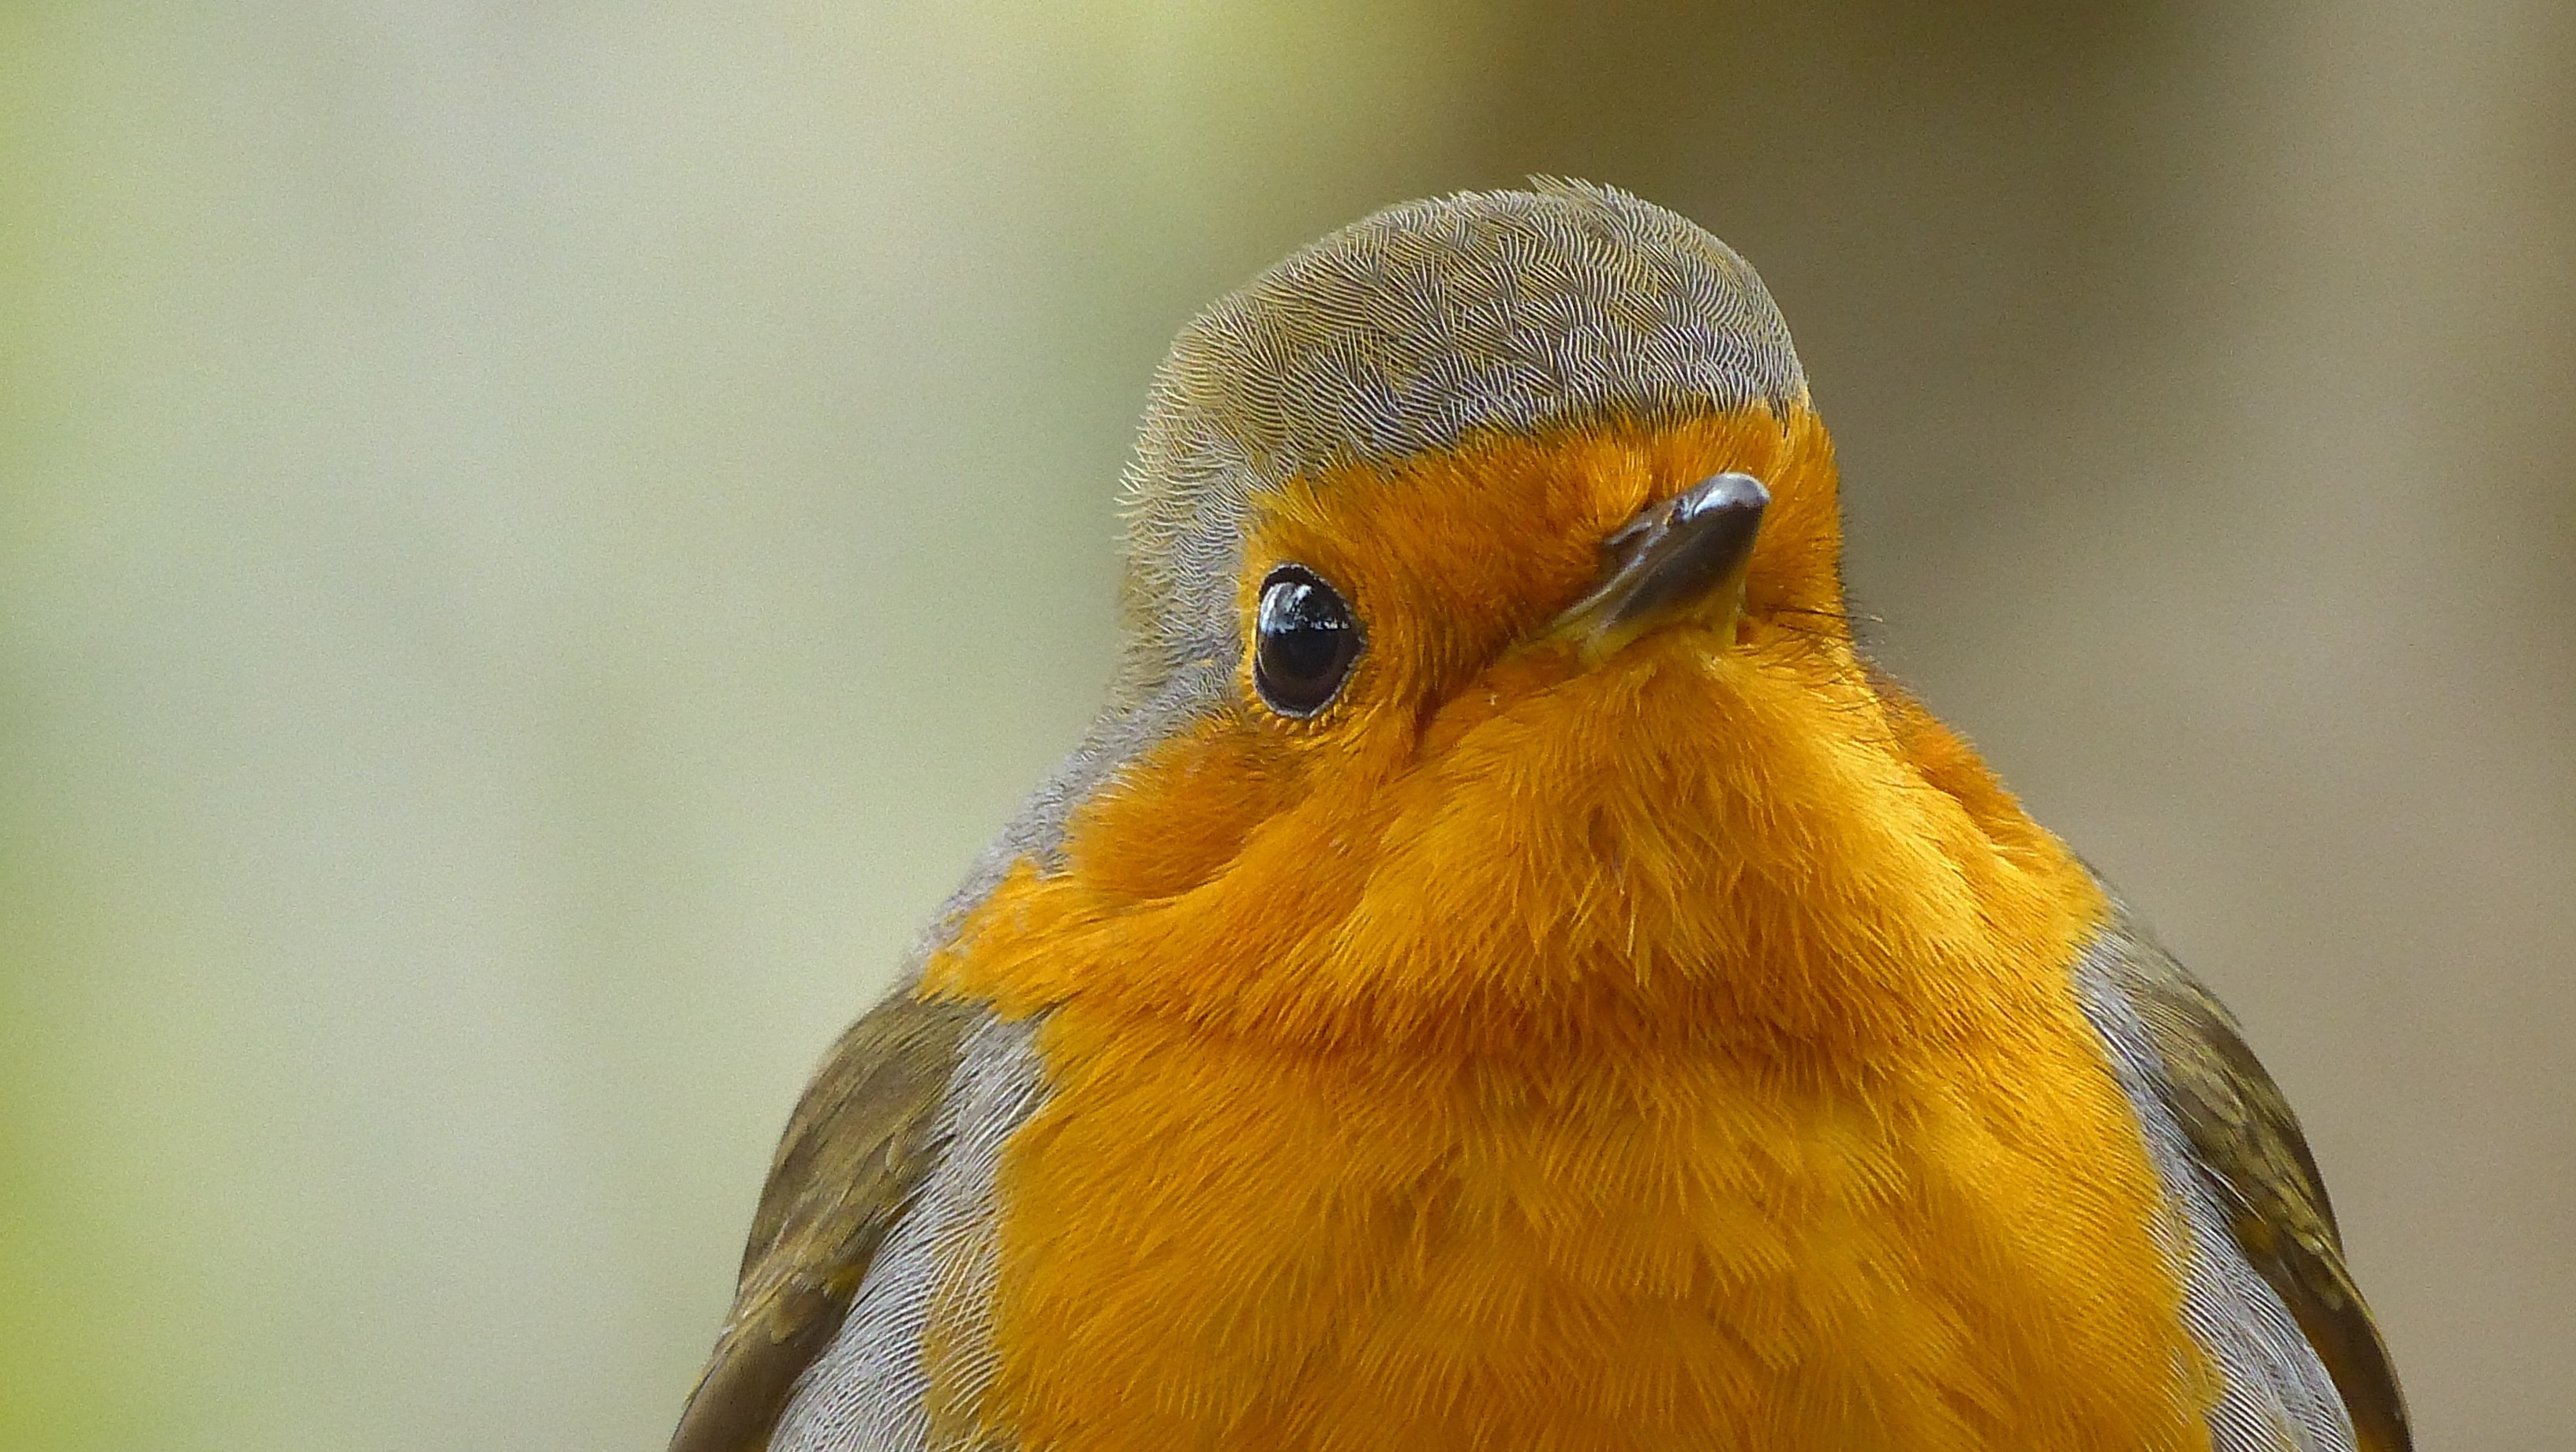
column 1305, row 640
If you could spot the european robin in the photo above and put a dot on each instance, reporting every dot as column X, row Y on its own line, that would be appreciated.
column 1506, row 973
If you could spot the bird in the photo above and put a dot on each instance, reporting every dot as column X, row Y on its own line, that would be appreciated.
column 1507, row 971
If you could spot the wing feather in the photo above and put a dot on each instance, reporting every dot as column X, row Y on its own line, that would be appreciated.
column 2248, row 1145
column 854, row 1153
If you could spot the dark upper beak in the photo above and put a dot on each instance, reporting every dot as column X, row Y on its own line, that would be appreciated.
column 1680, row 560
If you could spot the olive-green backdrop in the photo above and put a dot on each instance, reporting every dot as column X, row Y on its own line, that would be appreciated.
column 536, row 540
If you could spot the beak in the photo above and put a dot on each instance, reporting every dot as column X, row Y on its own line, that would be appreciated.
column 1680, row 560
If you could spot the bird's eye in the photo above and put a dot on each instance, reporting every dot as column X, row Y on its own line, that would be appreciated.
column 1306, row 642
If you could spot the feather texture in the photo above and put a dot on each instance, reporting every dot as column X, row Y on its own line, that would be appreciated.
column 859, row 1143
column 2234, row 1157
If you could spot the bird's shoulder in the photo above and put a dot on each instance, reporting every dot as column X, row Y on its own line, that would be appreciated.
column 2247, row 1145
column 856, row 1150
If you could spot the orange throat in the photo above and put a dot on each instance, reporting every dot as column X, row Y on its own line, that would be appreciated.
column 1676, row 1052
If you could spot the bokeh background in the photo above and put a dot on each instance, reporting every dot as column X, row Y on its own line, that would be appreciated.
column 537, row 540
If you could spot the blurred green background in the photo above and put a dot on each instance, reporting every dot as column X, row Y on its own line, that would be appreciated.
column 537, row 540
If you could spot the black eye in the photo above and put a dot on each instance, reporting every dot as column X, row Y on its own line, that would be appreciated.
column 1306, row 641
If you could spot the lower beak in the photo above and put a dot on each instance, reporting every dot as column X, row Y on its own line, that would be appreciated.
column 1681, row 560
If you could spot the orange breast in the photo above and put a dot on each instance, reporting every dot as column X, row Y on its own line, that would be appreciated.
column 1210, row 1244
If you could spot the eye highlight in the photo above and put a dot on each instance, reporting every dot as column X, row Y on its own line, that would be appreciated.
column 1304, row 641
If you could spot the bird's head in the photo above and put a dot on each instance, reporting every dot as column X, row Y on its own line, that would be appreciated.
column 1488, row 678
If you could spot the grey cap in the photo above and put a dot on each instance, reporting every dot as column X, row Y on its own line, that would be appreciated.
column 1408, row 332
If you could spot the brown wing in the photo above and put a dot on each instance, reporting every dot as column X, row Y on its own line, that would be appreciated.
column 854, row 1152
column 2248, row 1142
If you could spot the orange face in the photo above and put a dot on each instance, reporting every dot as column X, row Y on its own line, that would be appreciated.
column 1676, row 1049
column 1482, row 838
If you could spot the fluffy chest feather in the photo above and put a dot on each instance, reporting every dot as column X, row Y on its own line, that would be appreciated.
column 1205, row 1244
